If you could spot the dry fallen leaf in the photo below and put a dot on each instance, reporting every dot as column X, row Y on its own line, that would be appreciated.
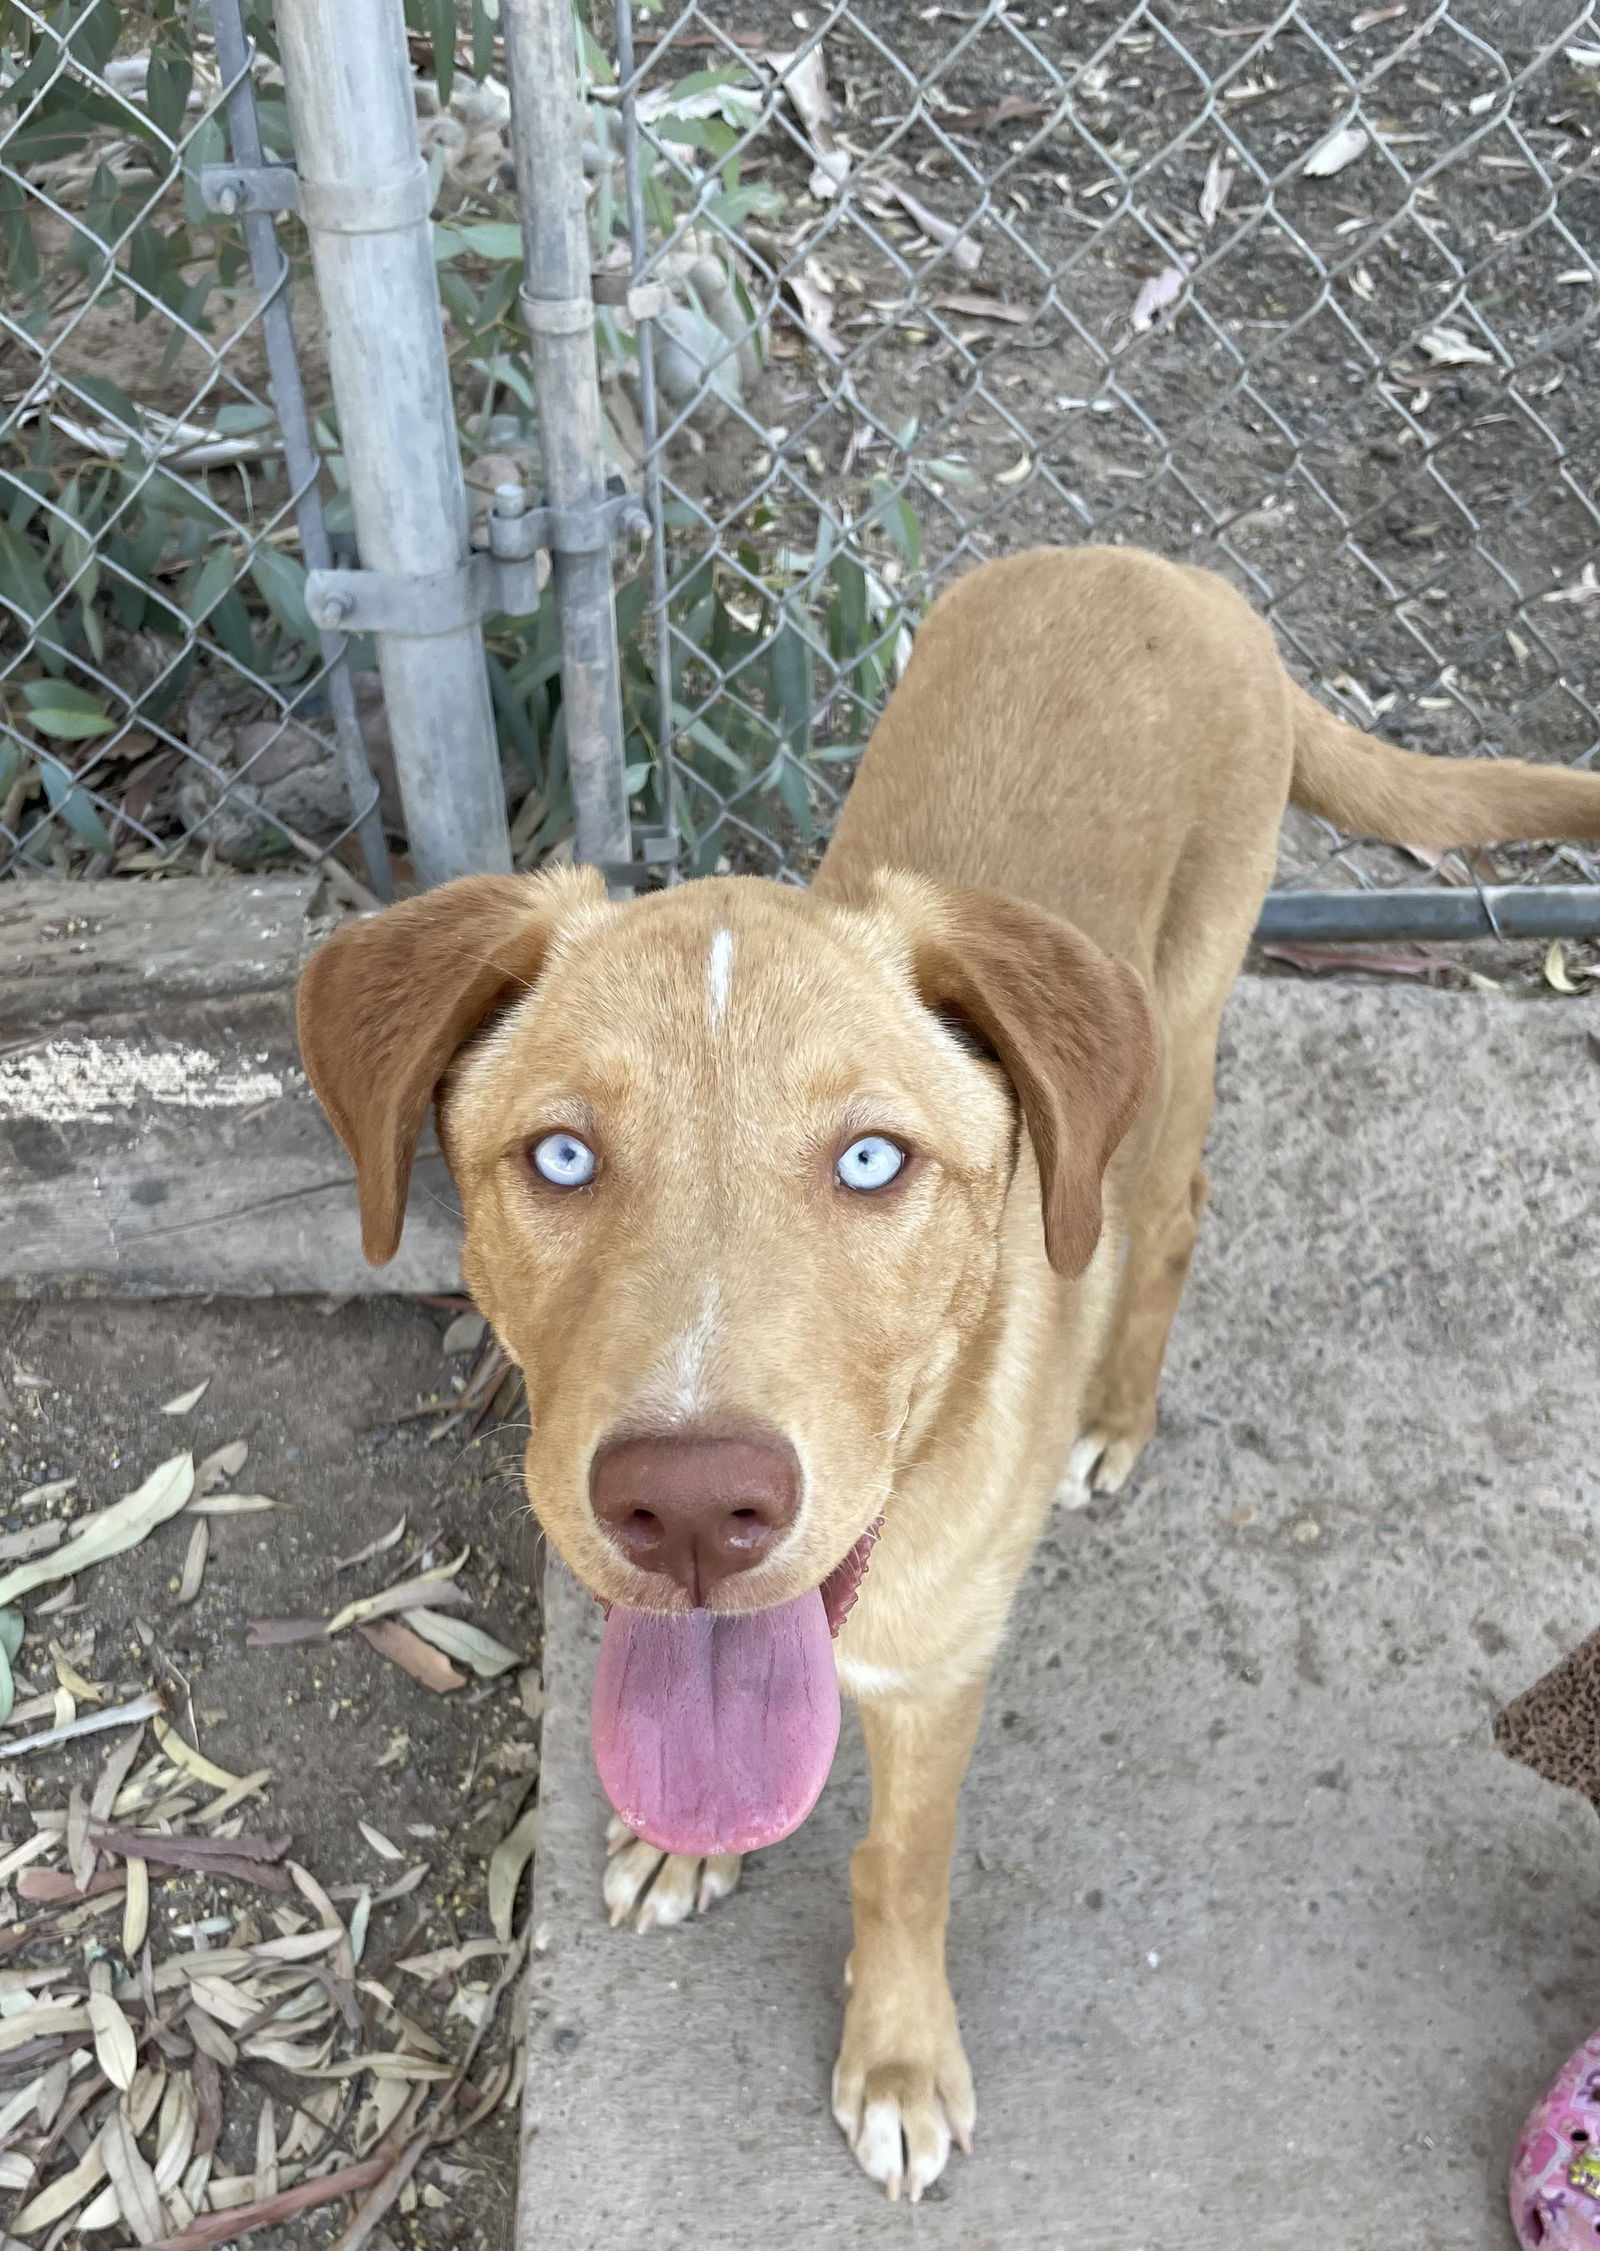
column 985, row 308
column 1584, row 588
column 116, row 2050
column 92, row 1723
column 379, row 1546
column 194, row 1562
column 429, row 1590
column 64, row 2195
column 414, row 1656
column 381, row 1845
column 1351, row 957
column 37, row 1496
column 136, row 1909
column 132, row 2179
column 184, row 1754
column 266, row 2176
column 1218, row 184
column 1011, row 108
column 33, row 1539
column 1159, row 291
column 967, row 253
column 186, row 1401
column 506, row 1864
column 1450, row 347
column 221, row 2227
column 1339, row 149
column 114, row 1530
column 226, row 1462
column 1370, row 16
column 465, row 1333
column 466, row 1643
column 815, row 306
column 1555, row 969
column 233, row 1504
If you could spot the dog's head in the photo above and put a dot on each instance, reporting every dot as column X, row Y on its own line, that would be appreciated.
column 733, row 1161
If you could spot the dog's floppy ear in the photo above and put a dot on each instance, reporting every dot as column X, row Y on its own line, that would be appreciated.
column 386, row 1003
column 1071, row 1027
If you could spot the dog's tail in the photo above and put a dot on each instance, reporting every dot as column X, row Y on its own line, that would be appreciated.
column 1371, row 789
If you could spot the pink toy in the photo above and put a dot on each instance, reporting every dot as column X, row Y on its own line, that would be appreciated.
column 1555, row 2175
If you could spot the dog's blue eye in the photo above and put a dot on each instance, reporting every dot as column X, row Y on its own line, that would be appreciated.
column 872, row 1162
column 564, row 1160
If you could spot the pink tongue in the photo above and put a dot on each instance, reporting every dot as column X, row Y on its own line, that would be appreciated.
column 712, row 1733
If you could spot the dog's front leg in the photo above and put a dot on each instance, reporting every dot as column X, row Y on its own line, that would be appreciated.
column 902, row 2088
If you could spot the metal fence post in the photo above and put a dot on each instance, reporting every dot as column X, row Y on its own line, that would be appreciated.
column 270, row 271
column 364, row 197
column 557, row 299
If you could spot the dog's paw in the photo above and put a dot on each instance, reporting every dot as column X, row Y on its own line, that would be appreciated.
column 652, row 1889
column 902, row 2101
column 1101, row 1462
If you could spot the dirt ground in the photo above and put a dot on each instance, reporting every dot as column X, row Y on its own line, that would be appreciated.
column 313, row 1389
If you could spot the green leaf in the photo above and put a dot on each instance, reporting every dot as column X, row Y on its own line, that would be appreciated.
column 282, row 582
column 850, row 584
column 167, row 87
column 70, row 803
column 56, row 707
column 737, row 204
column 112, row 401
column 208, row 583
column 22, row 582
column 792, row 681
column 207, row 144
column 230, row 622
column 796, row 797
column 242, row 420
column 491, row 238
column 439, row 21
column 635, row 777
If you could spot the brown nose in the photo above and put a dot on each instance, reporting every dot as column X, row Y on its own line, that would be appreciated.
column 696, row 1509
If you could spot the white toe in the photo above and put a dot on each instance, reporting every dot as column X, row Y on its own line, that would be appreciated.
column 718, row 1876
column 671, row 1896
column 655, row 1890
column 880, row 2146
column 1076, row 1489
column 629, row 1873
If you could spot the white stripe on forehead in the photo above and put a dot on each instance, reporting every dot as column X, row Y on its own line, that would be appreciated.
column 719, row 976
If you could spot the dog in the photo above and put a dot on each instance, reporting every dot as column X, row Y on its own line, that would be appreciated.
column 838, row 1232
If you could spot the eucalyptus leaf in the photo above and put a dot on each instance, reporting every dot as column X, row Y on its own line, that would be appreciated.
column 282, row 582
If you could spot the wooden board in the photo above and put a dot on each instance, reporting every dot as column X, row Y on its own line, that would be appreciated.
column 157, row 1135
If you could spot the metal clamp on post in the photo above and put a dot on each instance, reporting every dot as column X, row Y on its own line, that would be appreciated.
column 657, row 851
column 503, row 580
column 556, row 316
column 235, row 188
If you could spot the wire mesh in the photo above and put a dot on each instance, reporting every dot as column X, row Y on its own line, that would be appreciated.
column 1310, row 298
column 164, row 698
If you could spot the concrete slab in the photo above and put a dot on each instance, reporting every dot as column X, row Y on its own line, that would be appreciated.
column 1257, row 1939
column 157, row 1134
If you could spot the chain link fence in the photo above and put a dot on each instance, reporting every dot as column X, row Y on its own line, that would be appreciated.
column 1305, row 293
column 1310, row 298
column 164, row 697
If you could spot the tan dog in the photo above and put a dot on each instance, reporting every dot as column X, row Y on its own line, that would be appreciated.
column 806, row 1211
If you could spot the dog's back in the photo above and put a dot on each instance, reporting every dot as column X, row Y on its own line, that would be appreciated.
column 1114, row 737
